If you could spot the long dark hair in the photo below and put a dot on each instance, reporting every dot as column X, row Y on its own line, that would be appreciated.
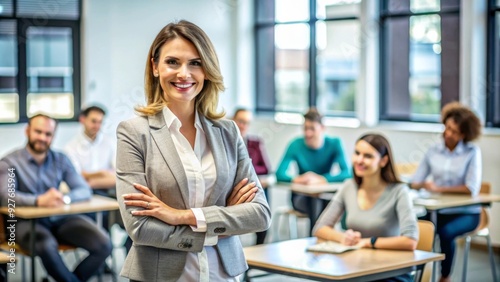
column 383, row 147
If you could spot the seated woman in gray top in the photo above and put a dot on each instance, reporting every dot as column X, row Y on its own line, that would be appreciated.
column 377, row 205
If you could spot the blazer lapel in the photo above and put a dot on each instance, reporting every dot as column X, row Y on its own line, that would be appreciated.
column 216, row 143
column 163, row 139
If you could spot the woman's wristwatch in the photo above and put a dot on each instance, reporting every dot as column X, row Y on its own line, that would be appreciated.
column 372, row 241
column 67, row 199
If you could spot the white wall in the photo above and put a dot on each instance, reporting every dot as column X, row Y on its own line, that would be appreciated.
column 116, row 35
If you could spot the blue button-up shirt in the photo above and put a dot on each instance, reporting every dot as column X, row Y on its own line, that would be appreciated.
column 32, row 179
column 462, row 166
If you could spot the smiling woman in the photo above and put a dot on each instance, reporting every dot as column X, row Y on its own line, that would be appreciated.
column 199, row 49
column 180, row 72
column 376, row 204
column 185, row 183
column 454, row 166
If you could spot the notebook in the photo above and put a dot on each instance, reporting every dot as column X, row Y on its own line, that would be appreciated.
column 331, row 247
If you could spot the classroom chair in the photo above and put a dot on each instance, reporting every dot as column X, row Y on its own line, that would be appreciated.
column 291, row 216
column 20, row 251
column 481, row 230
column 406, row 170
column 4, row 260
column 426, row 231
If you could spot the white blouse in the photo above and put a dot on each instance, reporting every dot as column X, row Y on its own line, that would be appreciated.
column 199, row 166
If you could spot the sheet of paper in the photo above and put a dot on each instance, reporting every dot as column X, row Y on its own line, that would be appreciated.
column 316, row 188
column 331, row 247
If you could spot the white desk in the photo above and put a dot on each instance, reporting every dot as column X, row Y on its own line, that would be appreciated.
column 291, row 258
column 313, row 190
column 435, row 202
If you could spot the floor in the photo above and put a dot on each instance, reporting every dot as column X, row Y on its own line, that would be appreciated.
column 478, row 269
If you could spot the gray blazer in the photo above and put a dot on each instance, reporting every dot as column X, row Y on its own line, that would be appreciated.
column 146, row 155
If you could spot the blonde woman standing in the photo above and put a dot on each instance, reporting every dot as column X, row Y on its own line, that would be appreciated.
column 186, row 185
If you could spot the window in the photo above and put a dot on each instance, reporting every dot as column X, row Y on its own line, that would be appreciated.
column 308, row 54
column 493, row 62
column 9, row 97
column 419, row 51
column 39, row 59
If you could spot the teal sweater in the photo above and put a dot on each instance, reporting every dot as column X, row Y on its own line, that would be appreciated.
column 319, row 161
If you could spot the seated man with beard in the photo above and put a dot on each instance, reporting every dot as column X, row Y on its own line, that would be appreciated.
column 38, row 171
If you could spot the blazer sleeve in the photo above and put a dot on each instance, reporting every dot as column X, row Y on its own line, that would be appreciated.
column 145, row 230
column 244, row 218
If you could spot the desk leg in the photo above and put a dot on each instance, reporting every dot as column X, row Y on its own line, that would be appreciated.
column 33, row 251
column 99, row 222
column 98, row 219
column 435, row 263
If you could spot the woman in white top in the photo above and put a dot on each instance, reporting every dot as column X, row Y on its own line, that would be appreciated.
column 454, row 165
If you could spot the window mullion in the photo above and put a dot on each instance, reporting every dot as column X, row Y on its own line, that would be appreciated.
column 54, row 66
column 312, row 54
column 492, row 82
column 22, row 79
column 76, row 68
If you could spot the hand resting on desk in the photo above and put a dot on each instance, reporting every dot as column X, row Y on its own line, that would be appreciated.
column 309, row 178
column 51, row 198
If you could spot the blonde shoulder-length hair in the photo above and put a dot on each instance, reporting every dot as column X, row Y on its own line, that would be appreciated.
column 207, row 100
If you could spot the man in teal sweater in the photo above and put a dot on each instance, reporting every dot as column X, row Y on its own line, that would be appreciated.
column 315, row 154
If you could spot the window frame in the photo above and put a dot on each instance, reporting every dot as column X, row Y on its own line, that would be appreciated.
column 22, row 25
column 492, row 70
column 264, row 101
column 482, row 97
column 384, row 96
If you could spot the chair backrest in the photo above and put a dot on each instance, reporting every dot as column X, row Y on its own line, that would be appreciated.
column 425, row 243
column 485, row 188
column 406, row 168
column 426, row 235
column 4, row 244
column 2, row 230
column 484, row 220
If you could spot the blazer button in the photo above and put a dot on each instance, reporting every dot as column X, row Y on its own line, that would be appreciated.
column 220, row 230
column 184, row 245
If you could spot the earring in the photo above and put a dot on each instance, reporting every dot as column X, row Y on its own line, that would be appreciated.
column 156, row 74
